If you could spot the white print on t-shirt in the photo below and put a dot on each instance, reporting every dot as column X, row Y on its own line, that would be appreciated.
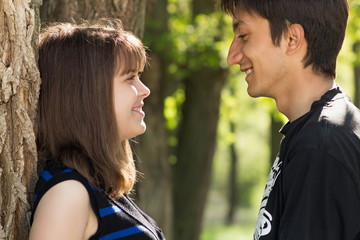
column 263, row 225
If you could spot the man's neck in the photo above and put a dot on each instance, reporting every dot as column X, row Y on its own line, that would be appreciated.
column 302, row 92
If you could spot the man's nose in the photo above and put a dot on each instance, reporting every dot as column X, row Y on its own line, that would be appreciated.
column 235, row 54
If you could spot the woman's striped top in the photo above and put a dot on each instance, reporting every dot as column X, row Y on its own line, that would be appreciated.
column 117, row 219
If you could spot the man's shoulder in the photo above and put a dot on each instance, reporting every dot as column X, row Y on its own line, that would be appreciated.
column 331, row 126
column 339, row 116
column 333, row 130
column 340, row 113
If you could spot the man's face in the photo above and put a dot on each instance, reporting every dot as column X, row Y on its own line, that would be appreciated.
column 252, row 48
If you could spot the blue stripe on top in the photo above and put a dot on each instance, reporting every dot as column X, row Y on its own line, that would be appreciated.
column 95, row 189
column 125, row 233
column 46, row 175
column 68, row 170
column 109, row 210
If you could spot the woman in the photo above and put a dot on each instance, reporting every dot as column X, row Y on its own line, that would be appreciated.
column 90, row 104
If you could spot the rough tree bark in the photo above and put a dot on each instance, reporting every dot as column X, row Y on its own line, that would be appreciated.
column 131, row 12
column 19, row 90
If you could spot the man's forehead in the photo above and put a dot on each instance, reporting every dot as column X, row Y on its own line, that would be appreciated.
column 242, row 17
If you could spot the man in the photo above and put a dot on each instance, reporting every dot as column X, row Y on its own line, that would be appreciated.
column 288, row 50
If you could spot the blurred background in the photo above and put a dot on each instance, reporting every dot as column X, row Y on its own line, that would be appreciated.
column 220, row 142
column 208, row 148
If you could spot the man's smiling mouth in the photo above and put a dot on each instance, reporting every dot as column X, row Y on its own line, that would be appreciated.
column 248, row 71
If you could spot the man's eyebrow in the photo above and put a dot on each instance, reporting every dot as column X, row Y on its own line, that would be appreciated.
column 237, row 23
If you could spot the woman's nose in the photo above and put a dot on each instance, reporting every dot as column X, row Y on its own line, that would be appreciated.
column 143, row 90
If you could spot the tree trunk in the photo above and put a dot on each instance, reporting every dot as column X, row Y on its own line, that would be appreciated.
column 233, row 172
column 131, row 12
column 197, row 141
column 19, row 91
column 154, row 192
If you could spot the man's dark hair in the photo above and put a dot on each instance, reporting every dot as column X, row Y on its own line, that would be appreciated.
column 324, row 23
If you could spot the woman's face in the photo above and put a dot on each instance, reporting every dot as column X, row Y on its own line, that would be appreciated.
column 129, row 95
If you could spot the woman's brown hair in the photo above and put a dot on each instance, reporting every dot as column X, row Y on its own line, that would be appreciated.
column 76, row 119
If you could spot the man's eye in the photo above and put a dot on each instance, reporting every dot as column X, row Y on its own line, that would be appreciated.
column 242, row 36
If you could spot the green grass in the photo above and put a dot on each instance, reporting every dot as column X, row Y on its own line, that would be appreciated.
column 221, row 232
column 242, row 228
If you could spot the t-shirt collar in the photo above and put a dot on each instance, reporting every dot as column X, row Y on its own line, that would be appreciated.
column 324, row 100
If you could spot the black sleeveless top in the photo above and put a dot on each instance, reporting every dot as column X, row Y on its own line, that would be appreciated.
column 117, row 219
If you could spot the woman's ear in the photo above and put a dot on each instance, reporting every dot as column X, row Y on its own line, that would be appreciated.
column 296, row 39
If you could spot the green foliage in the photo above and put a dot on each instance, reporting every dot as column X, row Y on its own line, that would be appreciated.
column 172, row 109
column 353, row 31
column 193, row 41
column 354, row 19
column 173, row 114
column 189, row 44
column 348, row 56
column 196, row 44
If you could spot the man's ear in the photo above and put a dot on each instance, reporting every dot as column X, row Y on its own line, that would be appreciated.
column 295, row 38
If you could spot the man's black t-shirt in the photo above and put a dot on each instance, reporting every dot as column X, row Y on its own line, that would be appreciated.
column 313, row 190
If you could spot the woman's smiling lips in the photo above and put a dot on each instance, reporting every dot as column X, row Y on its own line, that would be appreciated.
column 138, row 109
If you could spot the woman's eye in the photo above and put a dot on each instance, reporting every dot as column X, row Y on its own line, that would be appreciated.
column 134, row 76
column 131, row 78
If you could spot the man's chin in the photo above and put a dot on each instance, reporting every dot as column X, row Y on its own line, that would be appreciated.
column 253, row 93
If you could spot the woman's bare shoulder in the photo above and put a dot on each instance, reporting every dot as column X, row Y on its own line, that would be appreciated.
column 63, row 212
